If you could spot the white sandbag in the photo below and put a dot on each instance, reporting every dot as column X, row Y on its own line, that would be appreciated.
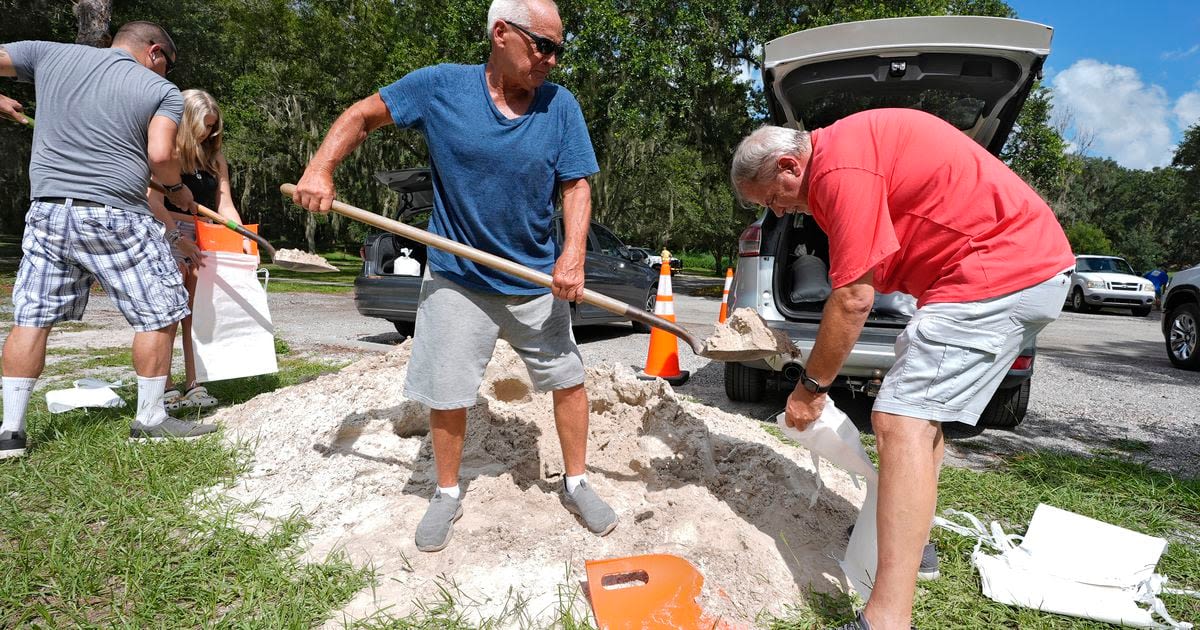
column 88, row 392
column 833, row 437
column 406, row 266
column 1072, row 565
column 232, row 333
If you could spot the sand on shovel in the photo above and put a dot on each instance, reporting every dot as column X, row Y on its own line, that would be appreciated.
column 301, row 260
column 349, row 452
column 745, row 336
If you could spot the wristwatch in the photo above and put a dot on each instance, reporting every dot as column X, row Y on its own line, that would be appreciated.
column 174, row 187
column 172, row 236
column 811, row 383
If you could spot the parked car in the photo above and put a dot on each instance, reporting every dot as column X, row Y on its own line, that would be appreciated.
column 1101, row 281
column 611, row 267
column 1181, row 318
column 654, row 259
column 974, row 72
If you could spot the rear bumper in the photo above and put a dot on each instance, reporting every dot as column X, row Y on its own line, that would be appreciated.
column 393, row 298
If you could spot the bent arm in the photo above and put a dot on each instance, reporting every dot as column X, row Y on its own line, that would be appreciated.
column 10, row 108
column 315, row 190
column 842, row 322
column 577, row 214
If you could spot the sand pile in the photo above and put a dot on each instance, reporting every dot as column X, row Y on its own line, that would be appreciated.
column 350, row 452
column 301, row 260
column 745, row 336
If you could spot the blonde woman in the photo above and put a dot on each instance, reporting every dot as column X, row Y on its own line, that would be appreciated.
column 206, row 174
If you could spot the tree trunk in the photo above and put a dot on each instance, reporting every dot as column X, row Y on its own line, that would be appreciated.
column 94, row 17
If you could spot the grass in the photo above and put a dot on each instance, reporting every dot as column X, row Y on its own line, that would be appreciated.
column 95, row 531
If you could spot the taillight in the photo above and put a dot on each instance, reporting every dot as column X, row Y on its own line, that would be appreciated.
column 750, row 242
column 1023, row 363
column 362, row 252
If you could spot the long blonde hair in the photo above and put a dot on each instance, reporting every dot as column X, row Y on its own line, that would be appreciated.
column 193, row 154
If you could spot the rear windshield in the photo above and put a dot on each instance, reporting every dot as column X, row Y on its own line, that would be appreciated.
column 1117, row 265
column 959, row 89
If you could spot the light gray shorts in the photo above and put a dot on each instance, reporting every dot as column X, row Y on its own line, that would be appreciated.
column 952, row 357
column 456, row 333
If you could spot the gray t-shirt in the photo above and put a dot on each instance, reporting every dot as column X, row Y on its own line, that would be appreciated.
column 94, row 107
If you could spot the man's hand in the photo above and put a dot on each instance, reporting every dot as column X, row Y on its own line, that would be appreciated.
column 183, row 200
column 12, row 110
column 803, row 408
column 568, row 279
column 315, row 191
column 191, row 251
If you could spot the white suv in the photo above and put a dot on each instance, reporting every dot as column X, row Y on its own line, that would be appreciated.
column 1101, row 281
column 1181, row 319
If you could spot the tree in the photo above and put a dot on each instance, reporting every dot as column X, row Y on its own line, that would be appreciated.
column 1036, row 151
column 1086, row 238
column 94, row 17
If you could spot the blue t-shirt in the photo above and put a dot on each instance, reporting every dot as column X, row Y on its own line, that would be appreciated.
column 1158, row 278
column 495, row 179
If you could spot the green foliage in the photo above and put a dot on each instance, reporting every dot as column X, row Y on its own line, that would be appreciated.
column 1088, row 239
column 1035, row 150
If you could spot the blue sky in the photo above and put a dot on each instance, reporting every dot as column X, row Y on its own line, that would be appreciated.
column 1125, row 74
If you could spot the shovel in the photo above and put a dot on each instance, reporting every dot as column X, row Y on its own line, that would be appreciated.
column 286, row 260
column 541, row 279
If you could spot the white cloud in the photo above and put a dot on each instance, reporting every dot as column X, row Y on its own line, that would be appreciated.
column 1187, row 109
column 1173, row 55
column 1129, row 119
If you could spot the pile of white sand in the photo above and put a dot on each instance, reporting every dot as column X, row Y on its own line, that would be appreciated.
column 353, row 455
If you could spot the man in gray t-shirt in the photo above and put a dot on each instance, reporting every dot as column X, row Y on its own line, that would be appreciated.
column 106, row 120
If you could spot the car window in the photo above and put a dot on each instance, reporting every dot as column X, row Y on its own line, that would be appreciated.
column 606, row 241
column 1117, row 265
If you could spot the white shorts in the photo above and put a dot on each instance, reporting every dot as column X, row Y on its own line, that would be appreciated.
column 952, row 357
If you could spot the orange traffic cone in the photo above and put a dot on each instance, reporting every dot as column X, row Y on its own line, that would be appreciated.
column 725, row 296
column 663, row 359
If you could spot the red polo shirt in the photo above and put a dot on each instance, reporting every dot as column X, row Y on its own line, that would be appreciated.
column 934, row 214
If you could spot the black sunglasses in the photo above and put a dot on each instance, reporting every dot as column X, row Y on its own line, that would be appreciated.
column 544, row 45
column 163, row 51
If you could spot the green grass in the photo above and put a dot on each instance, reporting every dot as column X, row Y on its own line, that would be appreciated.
column 95, row 531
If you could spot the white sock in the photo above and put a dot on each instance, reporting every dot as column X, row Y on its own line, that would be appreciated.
column 573, row 481
column 150, row 410
column 16, row 399
column 453, row 492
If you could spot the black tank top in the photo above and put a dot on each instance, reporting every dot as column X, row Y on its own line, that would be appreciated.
column 204, row 190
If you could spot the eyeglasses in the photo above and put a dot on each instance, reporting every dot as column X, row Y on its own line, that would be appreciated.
column 163, row 51
column 544, row 45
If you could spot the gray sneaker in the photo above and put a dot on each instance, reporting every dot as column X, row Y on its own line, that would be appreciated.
column 169, row 429
column 599, row 518
column 436, row 527
column 12, row 444
column 929, row 569
column 859, row 623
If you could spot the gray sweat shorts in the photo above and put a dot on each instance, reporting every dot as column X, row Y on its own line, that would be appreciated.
column 952, row 357
column 456, row 333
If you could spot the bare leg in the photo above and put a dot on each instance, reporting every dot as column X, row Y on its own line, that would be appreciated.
column 910, row 458
column 447, row 431
column 571, row 421
column 189, row 356
column 25, row 352
column 152, row 351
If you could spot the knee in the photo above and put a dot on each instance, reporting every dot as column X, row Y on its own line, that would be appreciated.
column 890, row 428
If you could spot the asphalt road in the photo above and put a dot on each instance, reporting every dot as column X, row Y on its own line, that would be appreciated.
column 1102, row 381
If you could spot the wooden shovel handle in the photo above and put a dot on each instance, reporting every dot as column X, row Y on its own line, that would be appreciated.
column 233, row 225
column 495, row 262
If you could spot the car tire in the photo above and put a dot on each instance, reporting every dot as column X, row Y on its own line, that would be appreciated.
column 1078, row 304
column 744, row 384
column 1007, row 407
column 1140, row 311
column 404, row 328
column 651, row 300
column 1182, row 331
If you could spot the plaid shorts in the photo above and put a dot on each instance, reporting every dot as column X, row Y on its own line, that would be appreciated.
column 66, row 248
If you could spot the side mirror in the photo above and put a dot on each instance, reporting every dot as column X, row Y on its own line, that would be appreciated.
column 636, row 255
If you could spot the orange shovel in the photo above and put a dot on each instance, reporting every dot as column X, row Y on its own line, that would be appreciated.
column 651, row 592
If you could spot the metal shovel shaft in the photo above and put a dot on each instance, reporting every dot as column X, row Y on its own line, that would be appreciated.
column 502, row 264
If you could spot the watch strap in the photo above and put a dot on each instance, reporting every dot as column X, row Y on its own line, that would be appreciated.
column 812, row 385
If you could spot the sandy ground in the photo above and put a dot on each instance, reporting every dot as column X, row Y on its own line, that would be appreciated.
column 684, row 478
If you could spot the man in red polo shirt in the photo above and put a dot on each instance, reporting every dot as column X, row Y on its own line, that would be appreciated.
column 912, row 204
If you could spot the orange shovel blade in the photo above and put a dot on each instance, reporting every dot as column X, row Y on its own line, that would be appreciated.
column 648, row 592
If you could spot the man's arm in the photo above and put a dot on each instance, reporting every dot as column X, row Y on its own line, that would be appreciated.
column 10, row 108
column 842, row 322
column 315, row 190
column 577, row 216
column 164, row 165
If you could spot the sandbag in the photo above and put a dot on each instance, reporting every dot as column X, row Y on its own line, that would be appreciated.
column 232, row 333
column 809, row 280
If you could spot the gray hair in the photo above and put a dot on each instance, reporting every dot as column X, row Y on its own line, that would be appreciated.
column 756, row 155
column 512, row 10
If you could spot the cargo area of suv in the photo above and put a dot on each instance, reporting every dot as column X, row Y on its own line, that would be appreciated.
column 974, row 72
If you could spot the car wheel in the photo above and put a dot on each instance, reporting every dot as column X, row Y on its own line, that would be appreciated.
column 651, row 300
column 1140, row 311
column 1078, row 303
column 744, row 384
column 1182, row 346
column 1007, row 407
column 404, row 328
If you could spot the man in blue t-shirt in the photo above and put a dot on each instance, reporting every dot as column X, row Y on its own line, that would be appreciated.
column 503, row 143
